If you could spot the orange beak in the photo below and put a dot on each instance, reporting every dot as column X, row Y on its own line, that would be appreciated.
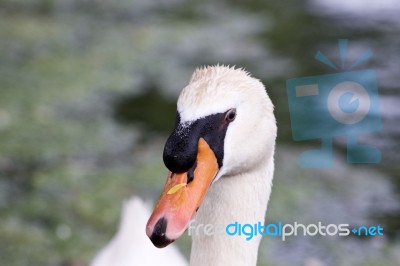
column 180, row 199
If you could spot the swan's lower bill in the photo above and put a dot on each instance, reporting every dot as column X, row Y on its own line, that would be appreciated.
column 181, row 197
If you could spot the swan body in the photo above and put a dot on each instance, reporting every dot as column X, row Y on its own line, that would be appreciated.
column 130, row 245
column 239, row 168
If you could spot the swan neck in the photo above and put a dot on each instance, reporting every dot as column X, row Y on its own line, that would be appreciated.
column 241, row 198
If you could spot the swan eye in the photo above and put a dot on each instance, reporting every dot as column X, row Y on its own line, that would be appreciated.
column 230, row 115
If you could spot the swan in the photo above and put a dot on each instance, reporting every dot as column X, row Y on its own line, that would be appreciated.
column 130, row 245
column 220, row 158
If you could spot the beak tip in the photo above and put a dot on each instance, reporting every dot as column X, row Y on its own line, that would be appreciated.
column 160, row 241
column 157, row 234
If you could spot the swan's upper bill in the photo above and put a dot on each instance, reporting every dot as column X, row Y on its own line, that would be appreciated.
column 218, row 113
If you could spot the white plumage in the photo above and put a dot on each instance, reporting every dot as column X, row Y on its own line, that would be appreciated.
column 241, row 189
column 131, row 247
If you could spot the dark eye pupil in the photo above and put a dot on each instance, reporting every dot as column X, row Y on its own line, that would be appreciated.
column 231, row 115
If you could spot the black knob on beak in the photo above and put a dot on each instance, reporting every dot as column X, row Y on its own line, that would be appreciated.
column 180, row 151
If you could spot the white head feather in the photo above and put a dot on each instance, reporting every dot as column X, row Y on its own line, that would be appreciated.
column 216, row 89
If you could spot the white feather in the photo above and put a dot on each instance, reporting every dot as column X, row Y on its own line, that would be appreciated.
column 242, row 187
column 131, row 247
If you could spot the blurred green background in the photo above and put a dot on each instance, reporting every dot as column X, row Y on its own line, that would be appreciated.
column 87, row 98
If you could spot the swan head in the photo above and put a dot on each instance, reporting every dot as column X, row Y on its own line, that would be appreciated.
column 225, row 126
